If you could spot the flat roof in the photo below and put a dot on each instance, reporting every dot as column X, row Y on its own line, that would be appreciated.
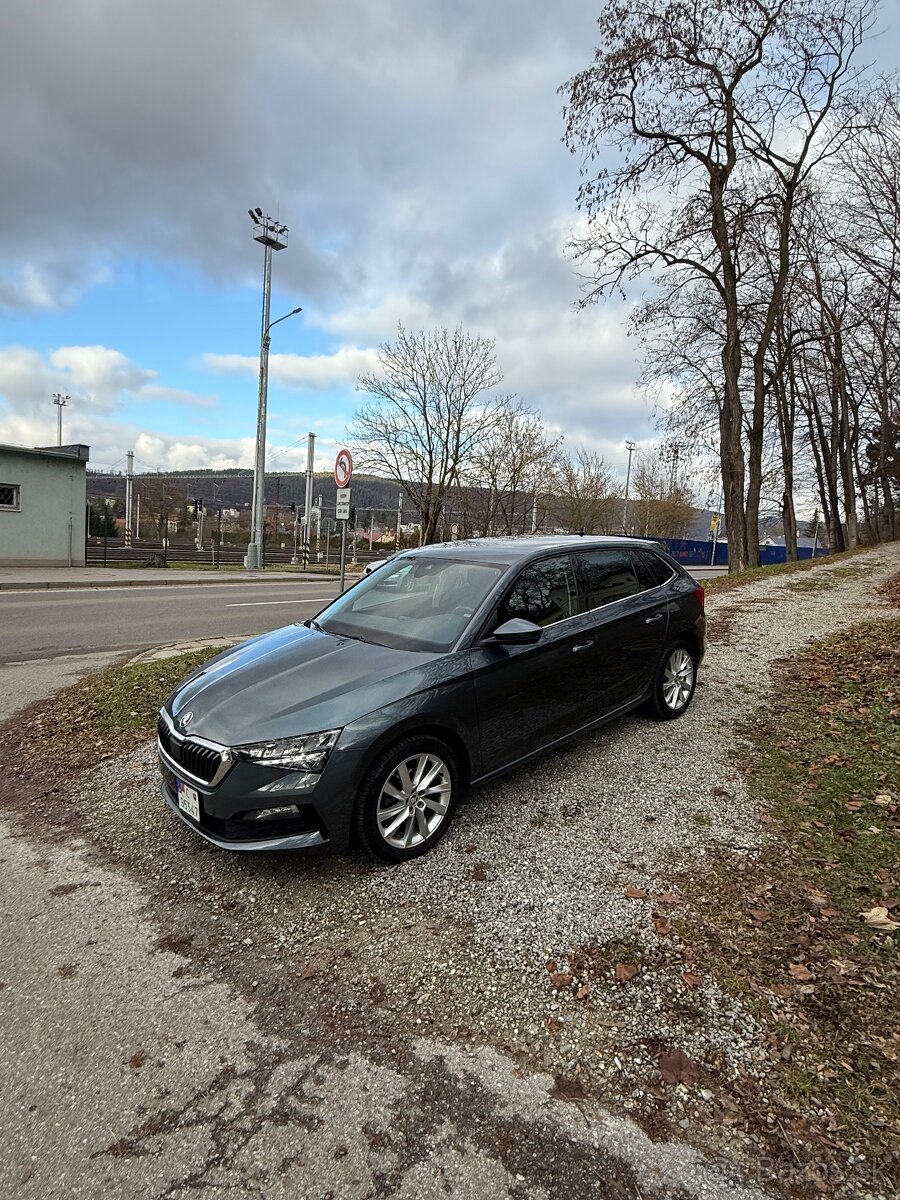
column 508, row 550
column 78, row 451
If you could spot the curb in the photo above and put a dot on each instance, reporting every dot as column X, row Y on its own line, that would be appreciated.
column 54, row 585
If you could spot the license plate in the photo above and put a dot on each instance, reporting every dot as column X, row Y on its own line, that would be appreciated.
column 189, row 801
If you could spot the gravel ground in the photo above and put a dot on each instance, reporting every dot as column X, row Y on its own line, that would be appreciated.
column 510, row 932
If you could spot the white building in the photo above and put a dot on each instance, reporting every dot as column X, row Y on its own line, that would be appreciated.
column 42, row 506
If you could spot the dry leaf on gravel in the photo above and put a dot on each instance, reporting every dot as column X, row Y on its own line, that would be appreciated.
column 625, row 972
column 635, row 893
column 676, row 1067
column 879, row 918
column 691, row 978
column 661, row 925
column 561, row 979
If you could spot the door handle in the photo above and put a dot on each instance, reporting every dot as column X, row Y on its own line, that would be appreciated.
column 656, row 617
column 581, row 646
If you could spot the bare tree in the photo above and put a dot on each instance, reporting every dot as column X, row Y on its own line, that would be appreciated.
column 509, row 472
column 432, row 410
column 718, row 112
column 585, row 495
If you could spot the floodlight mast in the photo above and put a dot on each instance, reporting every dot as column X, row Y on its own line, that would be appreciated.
column 273, row 236
column 60, row 401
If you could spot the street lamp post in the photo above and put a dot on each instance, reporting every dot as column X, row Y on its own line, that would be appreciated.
column 60, row 401
column 630, row 447
column 272, row 236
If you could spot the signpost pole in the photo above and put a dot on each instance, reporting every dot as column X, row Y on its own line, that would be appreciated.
column 343, row 552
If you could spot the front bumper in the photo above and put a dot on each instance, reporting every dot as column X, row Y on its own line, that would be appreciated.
column 325, row 804
column 294, row 841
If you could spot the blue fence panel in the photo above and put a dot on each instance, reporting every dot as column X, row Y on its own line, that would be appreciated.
column 691, row 553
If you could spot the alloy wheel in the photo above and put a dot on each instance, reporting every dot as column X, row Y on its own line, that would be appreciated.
column 414, row 800
column 678, row 679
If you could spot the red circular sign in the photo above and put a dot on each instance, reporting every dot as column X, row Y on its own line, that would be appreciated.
column 343, row 468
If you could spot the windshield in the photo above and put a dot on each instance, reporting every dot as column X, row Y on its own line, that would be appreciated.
column 412, row 603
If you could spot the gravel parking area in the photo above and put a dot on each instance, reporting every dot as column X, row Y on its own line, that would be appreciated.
column 518, row 931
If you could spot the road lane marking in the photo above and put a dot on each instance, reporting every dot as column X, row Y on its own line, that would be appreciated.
column 262, row 603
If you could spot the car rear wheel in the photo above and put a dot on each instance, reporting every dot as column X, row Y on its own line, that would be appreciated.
column 676, row 679
column 407, row 800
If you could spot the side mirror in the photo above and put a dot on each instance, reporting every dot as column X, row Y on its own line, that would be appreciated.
column 518, row 632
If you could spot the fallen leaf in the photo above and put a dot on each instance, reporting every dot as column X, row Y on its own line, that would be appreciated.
column 884, row 798
column 691, row 978
column 635, row 893
column 669, row 898
column 760, row 915
column 661, row 925
column 800, row 972
column 583, row 991
column 550, row 965
column 878, row 918
column 479, row 872
column 553, row 1024
column 676, row 1067
column 625, row 972
column 560, row 979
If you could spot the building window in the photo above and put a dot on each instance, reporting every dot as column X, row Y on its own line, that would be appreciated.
column 9, row 497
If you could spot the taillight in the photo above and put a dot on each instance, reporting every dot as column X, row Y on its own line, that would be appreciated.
column 701, row 596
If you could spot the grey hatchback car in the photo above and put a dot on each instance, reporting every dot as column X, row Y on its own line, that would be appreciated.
column 447, row 666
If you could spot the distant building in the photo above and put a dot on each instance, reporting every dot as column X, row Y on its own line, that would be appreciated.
column 42, row 506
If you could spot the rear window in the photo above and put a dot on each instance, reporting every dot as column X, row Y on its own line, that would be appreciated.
column 608, row 575
column 652, row 568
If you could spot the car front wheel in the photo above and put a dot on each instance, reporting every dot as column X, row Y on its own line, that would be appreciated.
column 407, row 799
column 676, row 679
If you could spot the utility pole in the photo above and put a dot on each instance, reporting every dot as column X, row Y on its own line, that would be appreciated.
column 307, row 507
column 630, row 447
column 129, row 475
column 272, row 236
column 137, row 530
column 371, row 530
column 60, row 401
column 399, row 519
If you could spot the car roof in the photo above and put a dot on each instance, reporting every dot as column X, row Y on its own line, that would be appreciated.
column 507, row 551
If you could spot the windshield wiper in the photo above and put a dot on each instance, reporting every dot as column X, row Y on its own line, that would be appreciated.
column 312, row 623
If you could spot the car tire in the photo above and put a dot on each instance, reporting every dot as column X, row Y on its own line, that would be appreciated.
column 674, row 683
column 397, row 818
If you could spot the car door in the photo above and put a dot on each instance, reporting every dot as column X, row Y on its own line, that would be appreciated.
column 627, row 619
column 524, row 693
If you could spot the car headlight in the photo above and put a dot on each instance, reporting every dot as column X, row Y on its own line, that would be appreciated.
column 308, row 752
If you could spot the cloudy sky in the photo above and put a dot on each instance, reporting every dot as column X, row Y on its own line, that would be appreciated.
column 411, row 146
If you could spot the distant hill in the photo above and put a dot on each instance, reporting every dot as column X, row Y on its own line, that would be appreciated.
column 234, row 489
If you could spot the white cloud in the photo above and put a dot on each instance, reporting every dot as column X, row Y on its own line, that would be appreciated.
column 305, row 372
column 97, row 379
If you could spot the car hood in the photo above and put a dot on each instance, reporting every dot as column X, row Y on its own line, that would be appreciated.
column 295, row 680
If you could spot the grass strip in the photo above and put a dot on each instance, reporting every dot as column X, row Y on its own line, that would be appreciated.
column 787, row 932
column 107, row 713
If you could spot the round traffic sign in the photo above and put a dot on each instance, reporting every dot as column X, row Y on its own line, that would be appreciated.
column 343, row 468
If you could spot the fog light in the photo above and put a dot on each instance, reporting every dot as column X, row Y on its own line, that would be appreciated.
column 274, row 814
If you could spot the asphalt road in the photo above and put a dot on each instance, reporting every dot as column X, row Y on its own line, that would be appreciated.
column 39, row 625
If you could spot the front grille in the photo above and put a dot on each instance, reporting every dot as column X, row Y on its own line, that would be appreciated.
column 200, row 761
column 164, row 733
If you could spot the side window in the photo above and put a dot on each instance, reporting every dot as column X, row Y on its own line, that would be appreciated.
column 544, row 593
column 652, row 568
column 608, row 575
